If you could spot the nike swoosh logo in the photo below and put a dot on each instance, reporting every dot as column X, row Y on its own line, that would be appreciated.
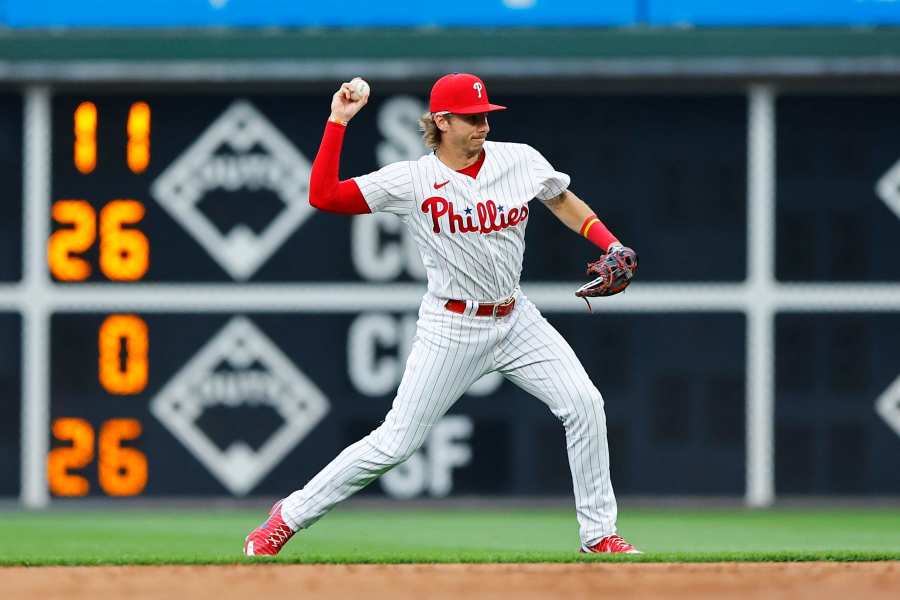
column 438, row 186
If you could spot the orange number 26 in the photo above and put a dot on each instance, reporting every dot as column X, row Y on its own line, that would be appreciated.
column 124, row 251
column 122, row 471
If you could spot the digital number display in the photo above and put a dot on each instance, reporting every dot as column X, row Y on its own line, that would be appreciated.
column 124, row 251
column 220, row 404
column 121, row 471
column 86, row 137
column 213, row 188
column 137, row 147
column 122, row 359
column 123, row 349
column 196, row 188
column 180, row 188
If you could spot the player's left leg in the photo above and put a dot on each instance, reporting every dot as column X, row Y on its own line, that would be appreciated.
column 450, row 352
column 536, row 358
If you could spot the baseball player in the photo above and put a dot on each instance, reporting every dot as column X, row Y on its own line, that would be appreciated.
column 466, row 205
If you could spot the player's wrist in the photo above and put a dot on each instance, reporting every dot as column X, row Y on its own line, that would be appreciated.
column 339, row 119
column 594, row 231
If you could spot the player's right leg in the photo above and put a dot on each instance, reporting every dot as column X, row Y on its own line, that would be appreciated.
column 538, row 359
column 450, row 352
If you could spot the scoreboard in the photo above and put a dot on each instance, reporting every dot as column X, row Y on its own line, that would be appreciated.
column 211, row 189
column 212, row 334
column 215, row 186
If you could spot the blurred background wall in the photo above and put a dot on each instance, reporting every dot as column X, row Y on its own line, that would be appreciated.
column 178, row 322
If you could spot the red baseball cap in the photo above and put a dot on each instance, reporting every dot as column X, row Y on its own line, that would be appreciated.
column 461, row 93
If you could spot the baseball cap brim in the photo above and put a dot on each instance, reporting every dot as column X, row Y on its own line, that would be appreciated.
column 476, row 109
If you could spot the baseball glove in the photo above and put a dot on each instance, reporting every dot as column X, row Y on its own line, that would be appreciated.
column 612, row 273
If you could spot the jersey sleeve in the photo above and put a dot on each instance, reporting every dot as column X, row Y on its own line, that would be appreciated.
column 551, row 183
column 389, row 189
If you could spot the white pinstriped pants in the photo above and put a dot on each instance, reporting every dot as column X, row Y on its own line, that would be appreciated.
column 449, row 353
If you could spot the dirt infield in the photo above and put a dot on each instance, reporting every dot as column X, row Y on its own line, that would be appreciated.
column 821, row 581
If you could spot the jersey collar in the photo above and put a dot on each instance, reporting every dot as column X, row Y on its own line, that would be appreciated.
column 472, row 170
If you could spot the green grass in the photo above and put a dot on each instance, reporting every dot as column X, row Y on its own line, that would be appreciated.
column 366, row 536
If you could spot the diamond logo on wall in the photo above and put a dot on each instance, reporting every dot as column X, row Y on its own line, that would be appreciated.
column 888, row 405
column 888, row 188
column 239, row 369
column 241, row 154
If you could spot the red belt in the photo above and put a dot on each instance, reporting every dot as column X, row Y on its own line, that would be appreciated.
column 500, row 309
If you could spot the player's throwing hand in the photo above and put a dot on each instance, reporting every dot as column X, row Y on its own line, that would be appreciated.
column 349, row 99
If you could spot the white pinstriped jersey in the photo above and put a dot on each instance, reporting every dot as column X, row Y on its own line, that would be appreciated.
column 470, row 232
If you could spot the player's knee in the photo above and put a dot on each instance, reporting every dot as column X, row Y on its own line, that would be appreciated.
column 393, row 447
column 394, row 454
column 586, row 416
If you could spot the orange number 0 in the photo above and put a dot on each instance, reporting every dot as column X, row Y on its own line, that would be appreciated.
column 128, row 376
column 122, row 471
column 124, row 252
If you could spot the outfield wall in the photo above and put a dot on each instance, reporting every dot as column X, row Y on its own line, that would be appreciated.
column 756, row 354
column 766, row 310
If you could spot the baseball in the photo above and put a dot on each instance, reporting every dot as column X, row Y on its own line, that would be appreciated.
column 359, row 87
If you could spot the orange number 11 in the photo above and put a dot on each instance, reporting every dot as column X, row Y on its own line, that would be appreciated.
column 137, row 150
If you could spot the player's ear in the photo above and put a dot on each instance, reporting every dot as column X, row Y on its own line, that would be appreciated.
column 442, row 122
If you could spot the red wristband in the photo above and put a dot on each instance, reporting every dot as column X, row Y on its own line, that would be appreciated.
column 596, row 232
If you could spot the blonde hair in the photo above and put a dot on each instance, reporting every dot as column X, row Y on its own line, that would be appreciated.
column 431, row 135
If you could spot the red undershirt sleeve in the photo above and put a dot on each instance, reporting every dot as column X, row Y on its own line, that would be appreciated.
column 326, row 191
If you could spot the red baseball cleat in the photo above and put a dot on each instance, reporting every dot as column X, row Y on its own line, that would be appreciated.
column 268, row 538
column 611, row 544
